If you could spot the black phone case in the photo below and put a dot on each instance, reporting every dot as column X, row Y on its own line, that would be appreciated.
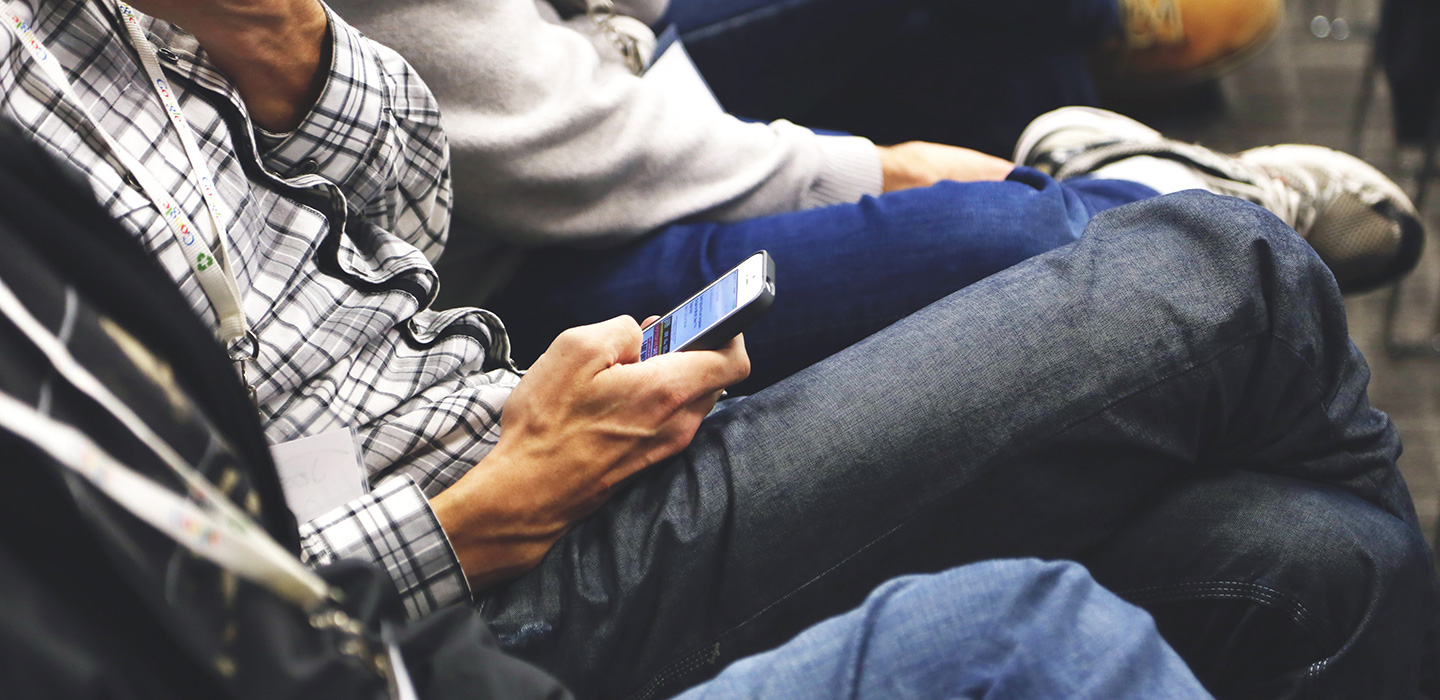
column 722, row 332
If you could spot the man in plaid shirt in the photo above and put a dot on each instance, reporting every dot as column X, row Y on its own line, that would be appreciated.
column 928, row 445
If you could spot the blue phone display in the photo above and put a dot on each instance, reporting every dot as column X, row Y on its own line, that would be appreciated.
column 695, row 317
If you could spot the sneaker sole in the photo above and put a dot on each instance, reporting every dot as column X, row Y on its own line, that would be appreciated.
column 1092, row 118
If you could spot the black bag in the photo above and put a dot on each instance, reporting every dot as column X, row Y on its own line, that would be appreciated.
column 97, row 604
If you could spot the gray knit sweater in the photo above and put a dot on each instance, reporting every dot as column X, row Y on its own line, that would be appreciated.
column 553, row 140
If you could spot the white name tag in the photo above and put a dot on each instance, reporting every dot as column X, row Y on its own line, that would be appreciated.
column 320, row 473
column 676, row 73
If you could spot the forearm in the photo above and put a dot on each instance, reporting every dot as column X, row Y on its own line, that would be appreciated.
column 497, row 531
column 920, row 164
column 587, row 416
column 551, row 143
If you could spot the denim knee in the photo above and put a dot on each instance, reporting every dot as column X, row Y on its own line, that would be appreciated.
column 1221, row 236
column 1265, row 582
column 1015, row 599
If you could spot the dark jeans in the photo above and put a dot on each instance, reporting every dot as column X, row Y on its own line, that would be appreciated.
column 842, row 272
column 968, row 73
column 1173, row 401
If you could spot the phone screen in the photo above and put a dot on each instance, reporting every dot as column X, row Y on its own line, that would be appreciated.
column 692, row 319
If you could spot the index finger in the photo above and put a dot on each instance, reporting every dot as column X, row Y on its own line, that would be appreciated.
column 695, row 373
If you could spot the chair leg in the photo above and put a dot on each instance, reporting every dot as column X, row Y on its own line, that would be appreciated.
column 1366, row 97
column 1427, row 170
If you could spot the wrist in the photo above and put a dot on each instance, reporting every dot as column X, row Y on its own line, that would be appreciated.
column 897, row 171
column 497, row 533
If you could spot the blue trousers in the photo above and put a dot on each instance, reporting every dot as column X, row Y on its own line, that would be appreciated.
column 843, row 272
column 970, row 73
column 1172, row 400
column 1002, row 630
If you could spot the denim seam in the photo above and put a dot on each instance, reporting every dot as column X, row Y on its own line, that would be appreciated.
column 1325, row 403
column 1238, row 590
column 671, row 671
column 686, row 664
column 1318, row 669
column 721, row 26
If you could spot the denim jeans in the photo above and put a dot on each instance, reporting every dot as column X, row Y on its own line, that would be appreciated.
column 969, row 73
column 1172, row 400
column 1003, row 630
column 842, row 272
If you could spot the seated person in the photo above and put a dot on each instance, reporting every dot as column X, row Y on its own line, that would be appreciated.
column 1185, row 361
column 1040, row 630
column 590, row 192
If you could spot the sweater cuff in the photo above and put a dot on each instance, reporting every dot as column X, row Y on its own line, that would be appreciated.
column 851, row 171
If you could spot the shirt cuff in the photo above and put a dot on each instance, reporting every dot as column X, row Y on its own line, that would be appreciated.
column 341, row 134
column 850, row 172
column 394, row 527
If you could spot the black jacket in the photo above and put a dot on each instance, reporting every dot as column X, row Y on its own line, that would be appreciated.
column 93, row 602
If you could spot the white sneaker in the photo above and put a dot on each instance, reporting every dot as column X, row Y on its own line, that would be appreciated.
column 1359, row 221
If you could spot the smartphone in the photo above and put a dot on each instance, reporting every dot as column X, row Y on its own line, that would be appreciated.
column 718, row 313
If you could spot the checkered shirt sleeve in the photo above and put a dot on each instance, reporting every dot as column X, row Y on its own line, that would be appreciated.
column 334, row 229
column 395, row 527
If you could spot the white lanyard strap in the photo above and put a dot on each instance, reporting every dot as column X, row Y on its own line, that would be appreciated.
column 212, row 270
column 234, row 545
column 212, row 527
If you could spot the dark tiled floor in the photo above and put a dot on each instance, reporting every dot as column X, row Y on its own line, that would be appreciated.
column 1303, row 89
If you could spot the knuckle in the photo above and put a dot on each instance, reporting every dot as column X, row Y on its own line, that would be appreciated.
column 583, row 340
column 673, row 397
column 570, row 336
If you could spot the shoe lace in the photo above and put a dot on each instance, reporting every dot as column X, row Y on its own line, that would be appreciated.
column 1290, row 195
column 1151, row 22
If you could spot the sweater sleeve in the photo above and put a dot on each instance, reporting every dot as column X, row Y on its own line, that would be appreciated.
column 552, row 141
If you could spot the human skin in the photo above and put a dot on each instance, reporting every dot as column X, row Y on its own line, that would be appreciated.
column 922, row 164
column 588, row 415
column 274, row 51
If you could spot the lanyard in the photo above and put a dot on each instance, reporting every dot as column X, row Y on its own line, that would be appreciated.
column 233, row 544
column 210, row 525
column 212, row 267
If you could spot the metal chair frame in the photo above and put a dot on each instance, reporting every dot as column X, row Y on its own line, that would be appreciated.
column 1394, row 346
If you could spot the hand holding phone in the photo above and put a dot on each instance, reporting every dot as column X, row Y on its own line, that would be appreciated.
column 587, row 416
column 717, row 313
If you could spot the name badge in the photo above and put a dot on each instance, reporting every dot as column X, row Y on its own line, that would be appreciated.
column 673, row 69
column 320, row 473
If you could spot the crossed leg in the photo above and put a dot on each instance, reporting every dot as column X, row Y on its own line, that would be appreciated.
column 1041, row 412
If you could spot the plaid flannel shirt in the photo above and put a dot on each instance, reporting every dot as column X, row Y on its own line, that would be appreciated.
column 334, row 232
